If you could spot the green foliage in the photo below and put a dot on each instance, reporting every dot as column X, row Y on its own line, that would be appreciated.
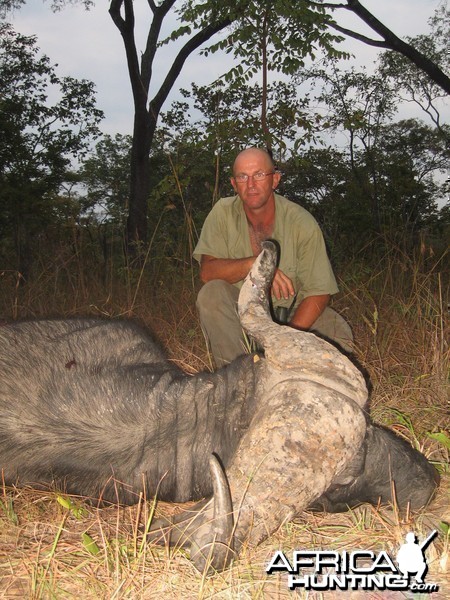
column 442, row 438
column 445, row 528
column 193, row 158
column 77, row 510
column 412, row 83
column 279, row 36
column 7, row 506
column 105, row 176
column 7, row 6
column 381, row 187
column 288, row 31
column 381, row 183
column 38, row 139
column 89, row 544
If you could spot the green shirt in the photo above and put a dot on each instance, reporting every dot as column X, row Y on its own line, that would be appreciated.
column 303, row 256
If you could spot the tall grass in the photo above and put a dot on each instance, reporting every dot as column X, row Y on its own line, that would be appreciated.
column 55, row 547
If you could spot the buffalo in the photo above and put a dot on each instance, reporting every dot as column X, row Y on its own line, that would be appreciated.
column 93, row 407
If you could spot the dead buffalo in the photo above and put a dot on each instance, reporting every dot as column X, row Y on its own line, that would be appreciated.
column 94, row 407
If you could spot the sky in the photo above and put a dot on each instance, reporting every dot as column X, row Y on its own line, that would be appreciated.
column 87, row 45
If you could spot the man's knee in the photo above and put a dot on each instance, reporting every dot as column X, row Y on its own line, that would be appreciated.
column 217, row 310
column 335, row 328
column 214, row 295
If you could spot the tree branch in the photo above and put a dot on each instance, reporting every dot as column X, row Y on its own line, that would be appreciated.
column 359, row 36
column 159, row 14
column 395, row 43
column 195, row 42
column 126, row 28
column 389, row 40
column 327, row 5
column 114, row 11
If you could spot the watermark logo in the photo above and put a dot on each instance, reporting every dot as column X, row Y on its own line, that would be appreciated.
column 358, row 570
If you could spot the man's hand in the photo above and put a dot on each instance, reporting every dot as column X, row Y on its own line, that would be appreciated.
column 282, row 286
column 308, row 311
column 236, row 269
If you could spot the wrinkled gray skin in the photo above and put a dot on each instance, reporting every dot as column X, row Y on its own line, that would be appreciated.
column 94, row 407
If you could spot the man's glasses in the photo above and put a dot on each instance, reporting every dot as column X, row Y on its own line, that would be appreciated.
column 243, row 177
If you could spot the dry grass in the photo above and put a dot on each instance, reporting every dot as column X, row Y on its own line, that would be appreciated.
column 400, row 324
column 43, row 555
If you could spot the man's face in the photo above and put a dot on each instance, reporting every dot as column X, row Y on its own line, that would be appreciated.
column 254, row 194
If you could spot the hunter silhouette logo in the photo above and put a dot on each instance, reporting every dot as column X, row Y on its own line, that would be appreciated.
column 411, row 556
column 358, row 570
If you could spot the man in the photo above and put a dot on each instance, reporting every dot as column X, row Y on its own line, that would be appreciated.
column 231, row 239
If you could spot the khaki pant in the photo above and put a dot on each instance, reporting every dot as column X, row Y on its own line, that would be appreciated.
column 217, row 309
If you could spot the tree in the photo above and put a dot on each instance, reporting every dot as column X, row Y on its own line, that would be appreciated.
column 388, row 41
column 274, row 36
column 357, row 106
column 193, row 158
column 105, row 176
column 146, row 111
column 412, row 83
column 230, row 118
column 410, row 153
column 37, row 139
column 7, row 6
column 399, row 171
column 319, row 180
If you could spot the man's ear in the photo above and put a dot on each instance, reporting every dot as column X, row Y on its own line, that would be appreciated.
column 233, row 183
column 276, row 179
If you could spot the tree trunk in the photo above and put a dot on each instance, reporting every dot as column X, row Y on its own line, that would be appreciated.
column 143, row 133
column 146, row 111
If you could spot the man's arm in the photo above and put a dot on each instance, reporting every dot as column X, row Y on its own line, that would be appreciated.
column 308, row 311
column 233, row 270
